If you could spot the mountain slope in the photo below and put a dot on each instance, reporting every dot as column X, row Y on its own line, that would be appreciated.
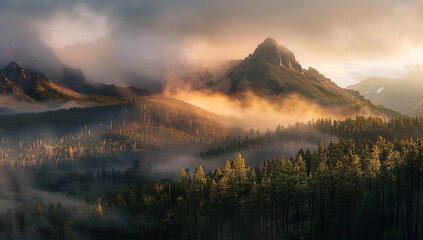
column 401, row 94
column 273, row 73
column 23, row 90
column 143, row 124
column 32, row 86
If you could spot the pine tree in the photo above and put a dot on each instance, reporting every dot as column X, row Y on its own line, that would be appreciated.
column 321, row 151
column 99, row 209
column 239, row 173
column 365, row 225
column 183, row 178
column 39, row 209
column 199, row 179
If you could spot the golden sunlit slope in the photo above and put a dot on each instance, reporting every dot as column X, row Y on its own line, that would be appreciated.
column 32, row 87
column 23, row 90
column 273, row 74
column 145, row 124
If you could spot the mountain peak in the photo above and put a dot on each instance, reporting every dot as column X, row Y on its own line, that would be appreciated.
column 14, row 69
column 270, row 42
column 16, row 73
column 12, row 65
column 270, row 51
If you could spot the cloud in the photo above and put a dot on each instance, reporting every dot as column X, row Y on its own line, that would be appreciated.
column 151, row 37
column 81, row 24
column 20, row 42
column 376, row 28
column 253, row 111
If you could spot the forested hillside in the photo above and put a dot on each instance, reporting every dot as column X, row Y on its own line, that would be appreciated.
column 100, row 164
column 89, row 134
column 358, row 129
column 345, row 191
column 211, row 120
column 367, row 187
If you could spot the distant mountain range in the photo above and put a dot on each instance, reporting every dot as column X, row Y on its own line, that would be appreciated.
column 273, row 73
column 23, row 90
column 402, row 94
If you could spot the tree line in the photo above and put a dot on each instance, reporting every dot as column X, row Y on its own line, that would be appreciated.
column 343, row 190
column 357, row 128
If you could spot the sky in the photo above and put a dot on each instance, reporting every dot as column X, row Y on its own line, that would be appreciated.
column 347, row 41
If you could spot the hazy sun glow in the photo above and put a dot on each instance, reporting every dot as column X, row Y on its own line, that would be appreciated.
column 346, row 41
column 82, row 26
column 254, row 112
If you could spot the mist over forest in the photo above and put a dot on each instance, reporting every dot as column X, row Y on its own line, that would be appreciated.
column 211, row 120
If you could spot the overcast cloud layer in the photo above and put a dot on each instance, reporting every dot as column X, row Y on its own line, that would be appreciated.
column 346, row 40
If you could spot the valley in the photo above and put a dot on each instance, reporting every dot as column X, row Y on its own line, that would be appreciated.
column 211, row 120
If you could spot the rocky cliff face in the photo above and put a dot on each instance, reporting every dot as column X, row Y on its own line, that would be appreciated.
column 275, row 54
